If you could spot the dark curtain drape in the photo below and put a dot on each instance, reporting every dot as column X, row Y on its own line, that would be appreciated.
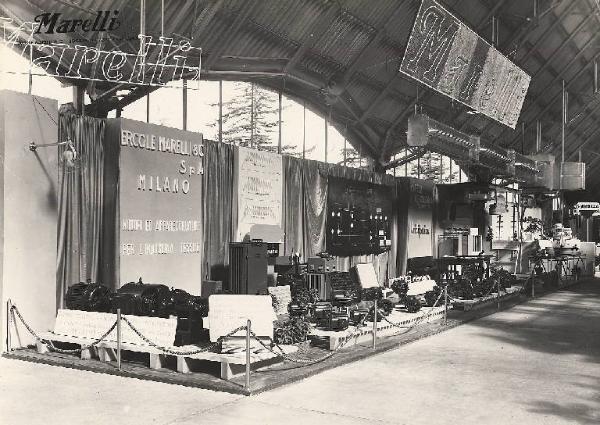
column 81, row 199
column 315, row 206
column 293, row 209
column 218, row 207
column 401, row 208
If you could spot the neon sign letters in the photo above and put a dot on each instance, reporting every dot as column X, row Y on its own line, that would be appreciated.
column 155, row 63
column 446, row 55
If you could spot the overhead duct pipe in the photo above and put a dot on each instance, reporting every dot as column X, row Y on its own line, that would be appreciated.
column 425, row 132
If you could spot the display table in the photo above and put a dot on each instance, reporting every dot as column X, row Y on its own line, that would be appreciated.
column 492, row 298
column 364, row 334
column 66, row 330
column 450, row 266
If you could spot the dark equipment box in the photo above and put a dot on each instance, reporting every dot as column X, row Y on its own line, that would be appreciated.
column 248, row 268
column 321, row 264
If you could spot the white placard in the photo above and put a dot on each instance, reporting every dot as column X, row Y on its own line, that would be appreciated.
column 227, row 312
column 283, row 297
column 420, row 287
column 92, row 325
column 366, row 275
column 259, row 189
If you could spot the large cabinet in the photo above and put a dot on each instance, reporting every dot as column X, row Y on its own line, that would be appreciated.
column 248, row 267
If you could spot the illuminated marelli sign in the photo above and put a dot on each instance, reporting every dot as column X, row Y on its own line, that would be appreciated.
column 171, row 60
column 446, row 55
column 53, row 22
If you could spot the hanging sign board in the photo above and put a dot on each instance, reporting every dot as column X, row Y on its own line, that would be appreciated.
column 446, row 55
column 419, row 196
column 160, row 172
column 587, row 208
column 259, row 186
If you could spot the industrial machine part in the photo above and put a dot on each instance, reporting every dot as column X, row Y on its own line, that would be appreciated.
column 88, row 296
column 248, row 268
column 190, row 311
column 339, row 321
column 344, row 288
column 143, row 299
column 322, row 311
column 321, row 264
column 319, row 282
column 331, row 318
column 358, row 314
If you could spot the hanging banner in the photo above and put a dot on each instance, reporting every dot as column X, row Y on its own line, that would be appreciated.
column 446, row 55
column 259, row 183
column 420, row 217
column 159, row 203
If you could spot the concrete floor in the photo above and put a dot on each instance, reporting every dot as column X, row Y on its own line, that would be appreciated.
column 538, row 363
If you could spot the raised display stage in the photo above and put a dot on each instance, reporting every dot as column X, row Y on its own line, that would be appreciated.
column 492, row 298
column 272, row 374
column 402, row 321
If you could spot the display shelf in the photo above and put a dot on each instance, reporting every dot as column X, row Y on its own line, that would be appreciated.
column 481, row 302
column 231, row 364
column 349, row 338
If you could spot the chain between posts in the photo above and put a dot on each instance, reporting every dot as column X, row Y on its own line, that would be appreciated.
column 51, row 346
column 166, row 350
column 179, row 352
column 418, row 321
column 307, row 362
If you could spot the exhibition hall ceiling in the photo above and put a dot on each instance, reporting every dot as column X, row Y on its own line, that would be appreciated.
column 343, row 58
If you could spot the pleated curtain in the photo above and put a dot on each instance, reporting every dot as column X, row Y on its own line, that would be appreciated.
column 218, row 209
column 81, row 201
column 315, row 206
column 293, row 209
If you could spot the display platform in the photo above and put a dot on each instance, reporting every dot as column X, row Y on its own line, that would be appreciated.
column 350, row 337
column 271, row 376
column 230, row 364
column 477, row 303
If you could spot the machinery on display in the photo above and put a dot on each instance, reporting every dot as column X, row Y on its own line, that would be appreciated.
column 141, row 299
column 88, row 296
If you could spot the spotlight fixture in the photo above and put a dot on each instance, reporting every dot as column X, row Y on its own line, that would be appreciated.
column 69, row 155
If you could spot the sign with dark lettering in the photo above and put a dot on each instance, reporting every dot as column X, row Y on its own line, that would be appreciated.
column 159, row 204
column 259, row 193
column 446, row 55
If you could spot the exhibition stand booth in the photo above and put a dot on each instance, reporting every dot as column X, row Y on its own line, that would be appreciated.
column 189, row 251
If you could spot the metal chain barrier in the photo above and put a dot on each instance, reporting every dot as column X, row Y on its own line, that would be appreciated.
column 97, row 341
column 416, row 322
column 307, row 362
column 51, row 346
column 179, row 352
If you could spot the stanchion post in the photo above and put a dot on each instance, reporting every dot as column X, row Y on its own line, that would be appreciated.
column 498, row 289
column 375, row 324
column 8, row 325
column 532, row 285
column 119, row 338
column 248, row 328
column 445, row 305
